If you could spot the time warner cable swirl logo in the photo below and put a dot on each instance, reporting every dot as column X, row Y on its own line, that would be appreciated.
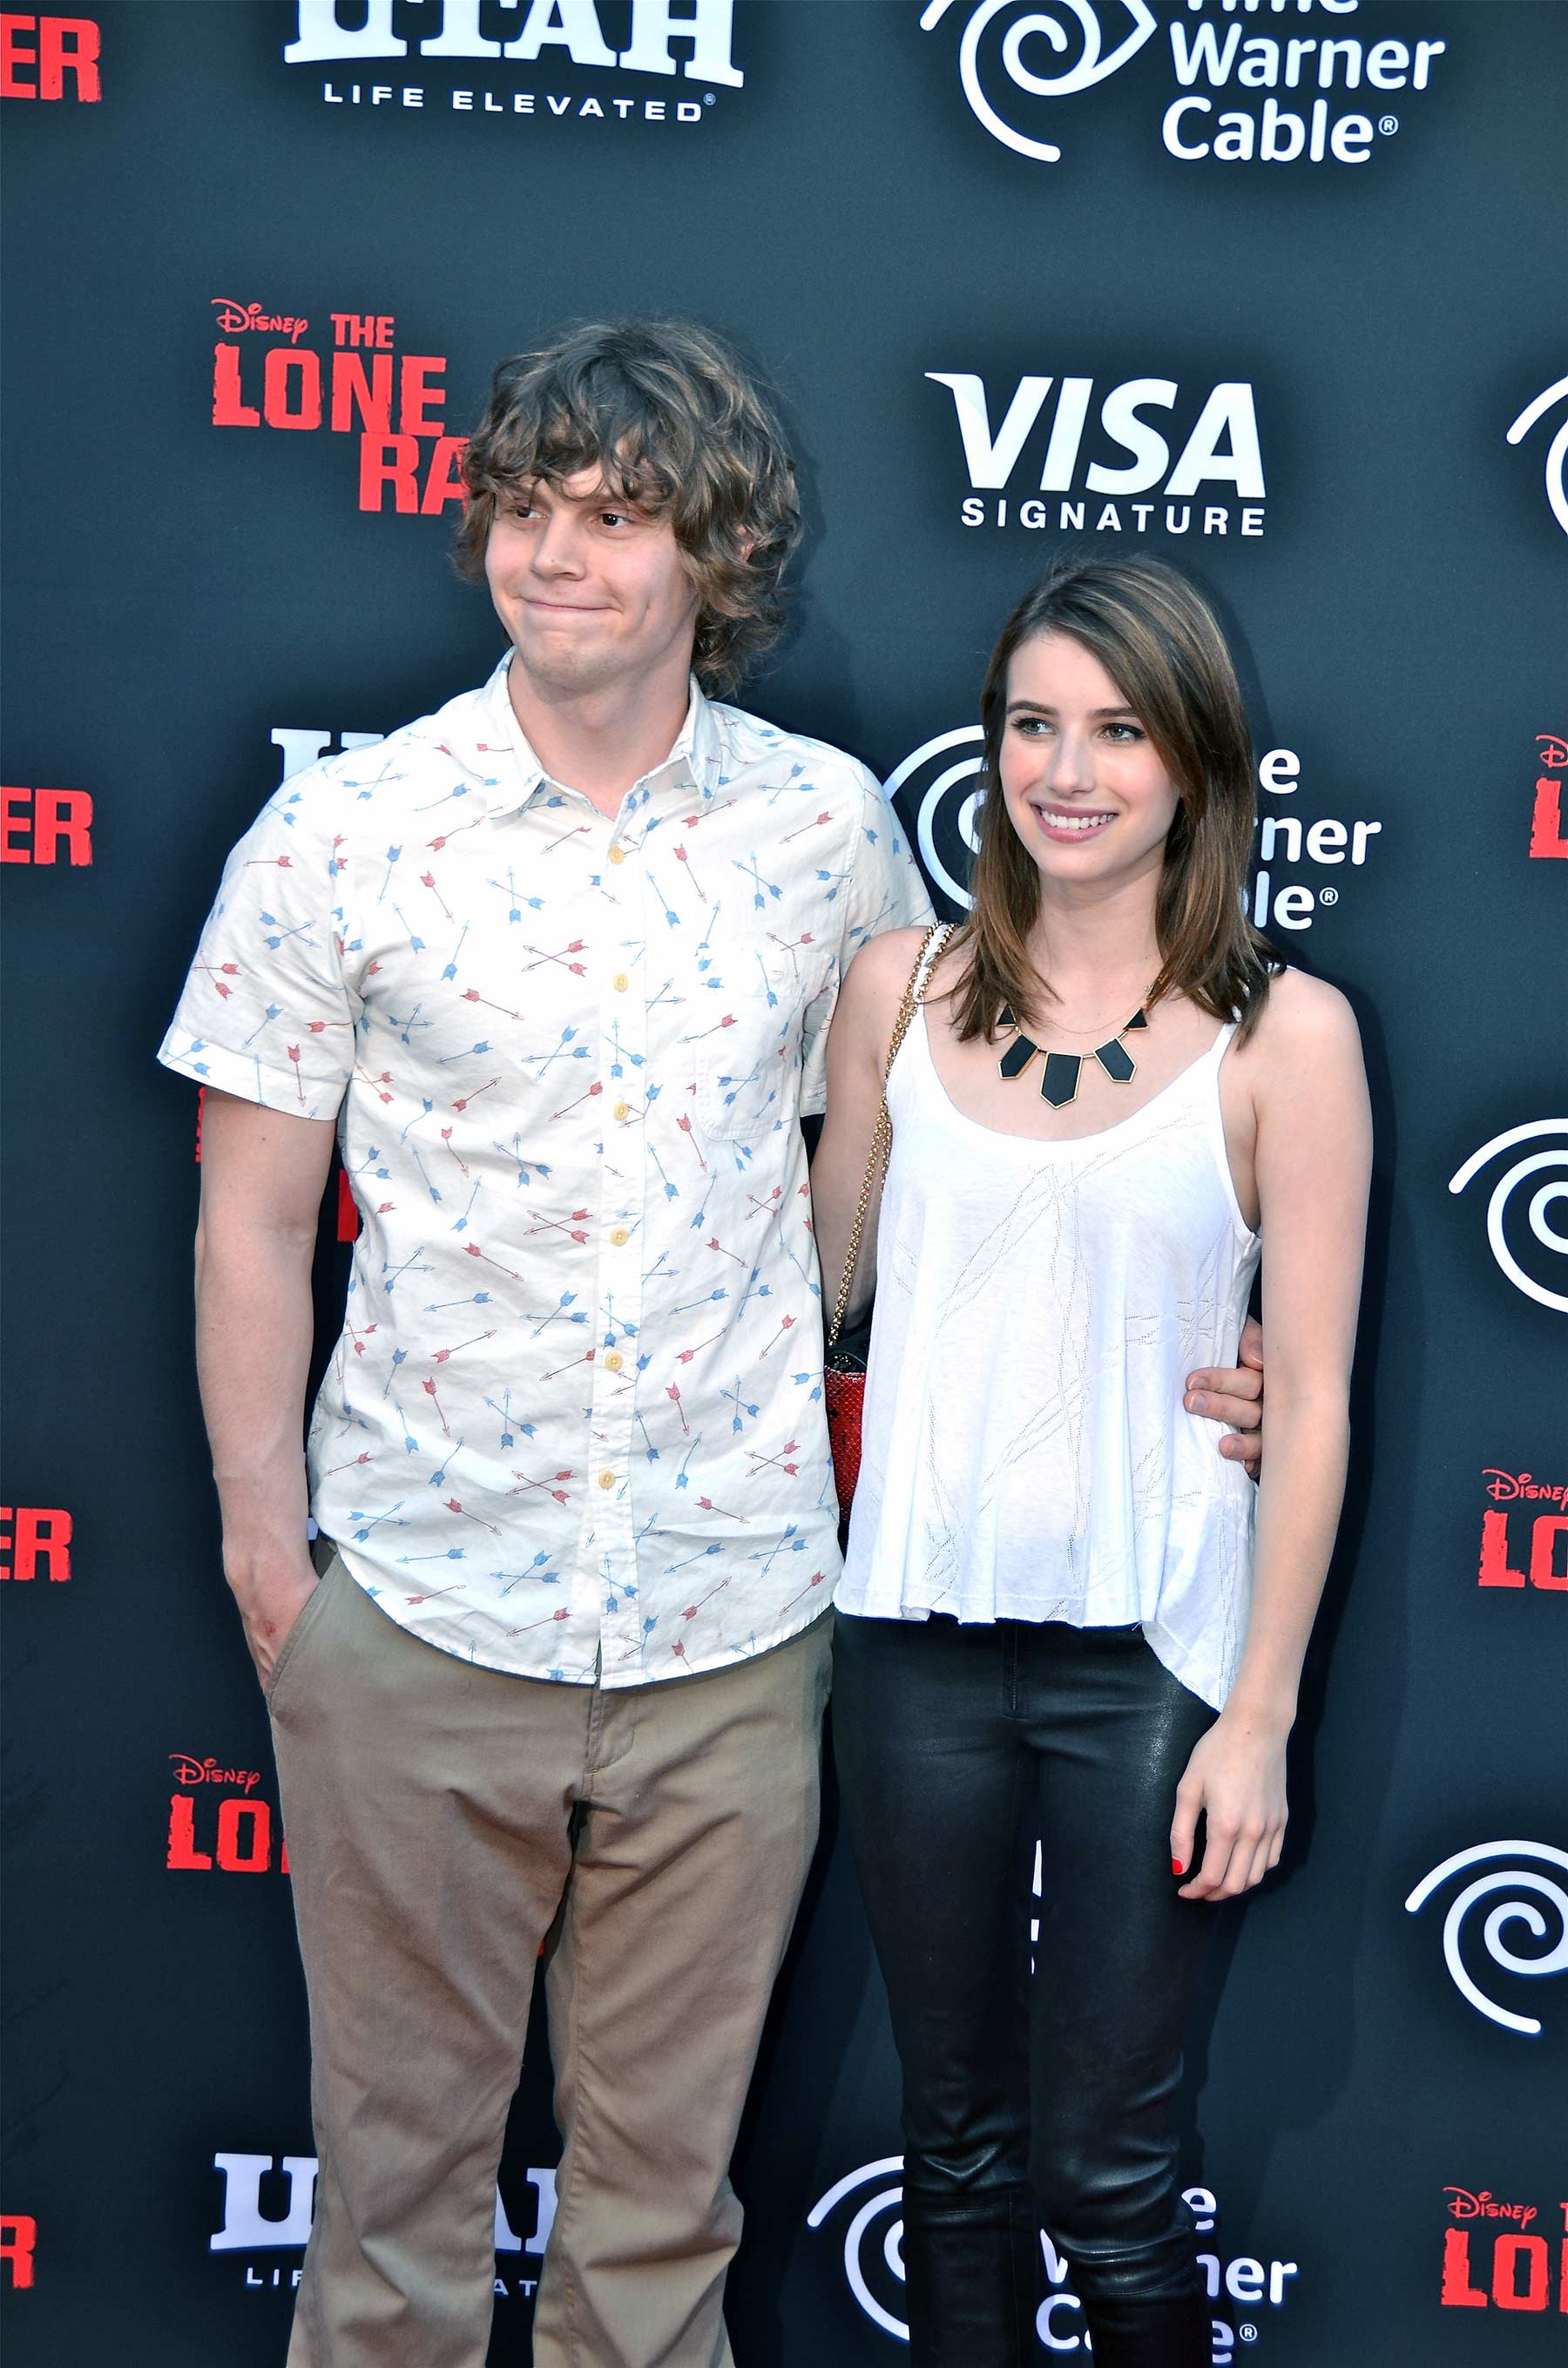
column 1239, row 93
column 1556, row 451
column 860, row 2237
column 1517, row 1909
column 874, row 2268
column 1066, row 25
column 929, row 789
column 1543, row 1199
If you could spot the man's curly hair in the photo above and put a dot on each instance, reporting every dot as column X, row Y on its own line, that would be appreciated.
column 675, row 422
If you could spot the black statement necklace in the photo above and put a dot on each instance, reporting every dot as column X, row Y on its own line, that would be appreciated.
column 1060, row 1077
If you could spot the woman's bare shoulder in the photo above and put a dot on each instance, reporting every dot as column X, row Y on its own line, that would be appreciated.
column 1305, row 1051
column 891, row 954
column 874, row 988
column 880, row 971
column 1303, row 1015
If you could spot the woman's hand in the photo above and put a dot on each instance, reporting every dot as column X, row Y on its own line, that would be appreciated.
column 1236, row 1778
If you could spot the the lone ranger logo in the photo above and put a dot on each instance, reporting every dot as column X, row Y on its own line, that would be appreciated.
column 1495, row 2259
column 1082, row 456
column 1523, row 1532
column 1319, row 92
column 522, row 58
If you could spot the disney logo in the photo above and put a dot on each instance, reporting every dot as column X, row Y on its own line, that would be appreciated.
column 1508, row 1488
column 1466, row 2207
column 1553, row 750
column 206, row 1771
column 234, row 317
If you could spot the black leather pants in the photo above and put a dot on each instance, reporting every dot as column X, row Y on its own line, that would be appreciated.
column 1029, row 2101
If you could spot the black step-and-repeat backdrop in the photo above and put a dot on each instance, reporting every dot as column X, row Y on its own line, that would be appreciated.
column 1273, row 286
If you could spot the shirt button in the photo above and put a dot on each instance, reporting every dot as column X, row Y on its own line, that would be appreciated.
column 614, row 1361
column 620, row 982
column 617, row 854
column 606, row 1479
column 622, row 1110
column 621, row 1237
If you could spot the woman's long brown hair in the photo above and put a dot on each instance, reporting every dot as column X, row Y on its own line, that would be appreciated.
column 1161, row 645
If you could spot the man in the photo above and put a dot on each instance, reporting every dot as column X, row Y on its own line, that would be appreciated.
column 556, row 965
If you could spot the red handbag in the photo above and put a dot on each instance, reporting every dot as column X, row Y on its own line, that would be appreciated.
column 844, row 1384
column 849, row 1348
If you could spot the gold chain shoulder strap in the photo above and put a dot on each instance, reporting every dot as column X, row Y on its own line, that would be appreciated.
column 882, row 1140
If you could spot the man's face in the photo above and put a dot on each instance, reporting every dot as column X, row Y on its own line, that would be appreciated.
column 592, row 591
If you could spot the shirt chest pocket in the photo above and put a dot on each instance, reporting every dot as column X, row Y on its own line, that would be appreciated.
column 746, row 1058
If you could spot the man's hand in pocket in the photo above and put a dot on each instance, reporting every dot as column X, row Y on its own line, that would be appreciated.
column 270, row 1601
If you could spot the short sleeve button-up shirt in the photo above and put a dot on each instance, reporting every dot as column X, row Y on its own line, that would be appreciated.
column 573, row 1426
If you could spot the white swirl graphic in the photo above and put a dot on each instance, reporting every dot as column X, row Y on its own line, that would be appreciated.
column 1556, row 451
column 855, row 2237
column 1090, row 66
column 1516, row 1910
column 1542, row 1199
column 941, row 822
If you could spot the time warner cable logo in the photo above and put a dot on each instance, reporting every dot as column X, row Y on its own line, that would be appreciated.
column 1556, row 469
column 874, row 2267
column 1542, row 1220
column 1525, row 1884
column 1092, row 64
column 1013, row 56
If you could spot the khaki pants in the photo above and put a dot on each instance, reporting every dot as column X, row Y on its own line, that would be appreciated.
column 438, row 1816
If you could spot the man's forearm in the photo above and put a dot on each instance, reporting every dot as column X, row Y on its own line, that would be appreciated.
column 254, row 1329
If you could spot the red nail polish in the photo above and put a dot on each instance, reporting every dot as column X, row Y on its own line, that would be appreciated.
column 1177, row 1867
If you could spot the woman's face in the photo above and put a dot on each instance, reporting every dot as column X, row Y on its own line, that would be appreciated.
column 1084, row 788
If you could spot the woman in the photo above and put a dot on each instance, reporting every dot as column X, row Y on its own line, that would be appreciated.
column 1054, row 1624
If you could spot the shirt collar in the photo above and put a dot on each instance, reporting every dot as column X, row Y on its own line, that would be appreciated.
column 694, row 761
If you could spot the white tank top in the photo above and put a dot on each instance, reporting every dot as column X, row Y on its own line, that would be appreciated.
column 1040, row 1305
